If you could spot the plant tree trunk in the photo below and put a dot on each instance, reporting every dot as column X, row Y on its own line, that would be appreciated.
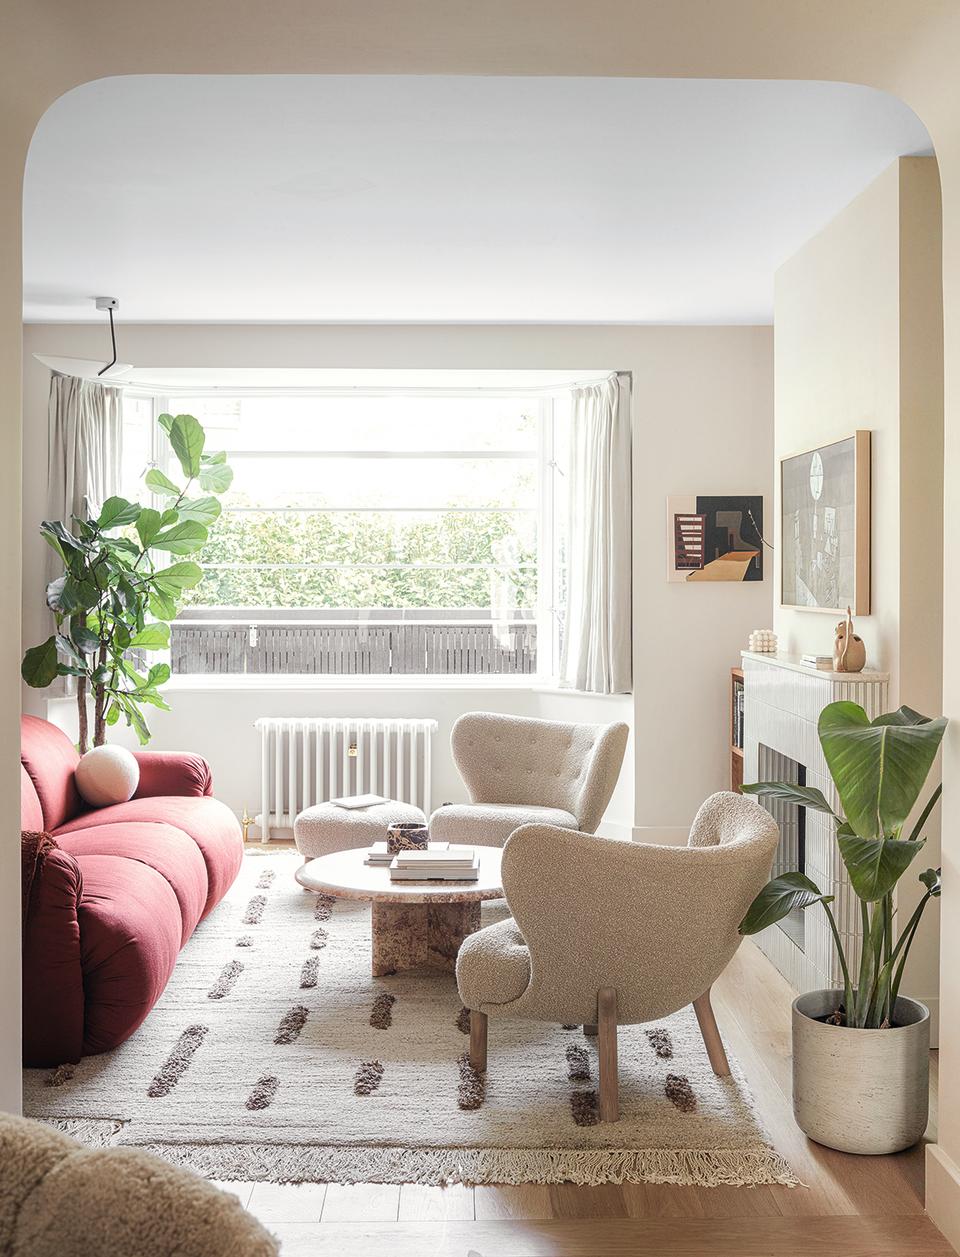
column 99, row 724
column 82, row 714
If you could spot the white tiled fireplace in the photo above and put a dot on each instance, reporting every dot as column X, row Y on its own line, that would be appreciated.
column 782, row 703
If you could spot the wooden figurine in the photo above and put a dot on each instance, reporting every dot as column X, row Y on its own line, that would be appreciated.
column 849, row 652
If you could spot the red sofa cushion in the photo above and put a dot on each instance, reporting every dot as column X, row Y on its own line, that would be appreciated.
column 31, row 813
column 210, row 823
column 50, row 758
column 170, row 773
column 129, row 941
column 168, row 851
column 52, row 970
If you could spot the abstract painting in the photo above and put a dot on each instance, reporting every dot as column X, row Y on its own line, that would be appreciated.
column 825, row 527
column 715, row 537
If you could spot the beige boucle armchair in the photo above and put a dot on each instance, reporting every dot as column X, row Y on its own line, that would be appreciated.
column 608, row 933
column 520, row 771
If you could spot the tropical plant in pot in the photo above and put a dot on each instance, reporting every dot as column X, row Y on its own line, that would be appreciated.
column 117, row 594
column 860, row 1053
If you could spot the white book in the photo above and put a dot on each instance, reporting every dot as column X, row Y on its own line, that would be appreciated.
column 435, row 875
column 352, row 801
column 455, row 855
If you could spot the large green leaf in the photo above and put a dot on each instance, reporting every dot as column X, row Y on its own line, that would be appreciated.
column 39, row 667
column 148, row 526
column 182, row 538
column 785, row 792
column 62, row 540
column 152, row 637
column 177, row 577
column 187, row 438
column 876, row 865
column 878, row 768
column 779, row 898
column 161, row 484
column 216, row 478
column 67, row 596
column 201, row 510
column 118, row 512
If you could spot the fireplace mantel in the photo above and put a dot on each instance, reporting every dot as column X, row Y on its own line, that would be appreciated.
column 783, row 699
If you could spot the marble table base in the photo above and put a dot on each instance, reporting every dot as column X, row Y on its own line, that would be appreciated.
column 407, row 935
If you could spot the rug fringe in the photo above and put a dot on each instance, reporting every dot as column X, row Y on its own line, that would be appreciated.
column 684, row 1167
column 94, row 1132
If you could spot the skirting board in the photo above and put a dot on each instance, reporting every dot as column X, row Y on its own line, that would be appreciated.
column 943, row 1193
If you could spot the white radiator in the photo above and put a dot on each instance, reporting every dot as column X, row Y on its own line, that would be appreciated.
column 309, row 760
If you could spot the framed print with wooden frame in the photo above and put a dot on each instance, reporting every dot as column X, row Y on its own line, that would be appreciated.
column 825, row 527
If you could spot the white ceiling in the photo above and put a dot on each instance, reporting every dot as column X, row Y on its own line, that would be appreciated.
column 310, row 198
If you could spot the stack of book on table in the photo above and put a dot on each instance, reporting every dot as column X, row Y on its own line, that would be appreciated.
column 452, row 864
column 823, row 662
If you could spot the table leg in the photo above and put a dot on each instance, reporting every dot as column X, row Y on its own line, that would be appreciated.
column 448, row 924
column 405, row 936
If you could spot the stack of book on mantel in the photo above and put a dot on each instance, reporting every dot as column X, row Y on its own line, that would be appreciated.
column 823, row 662
column 439, row 862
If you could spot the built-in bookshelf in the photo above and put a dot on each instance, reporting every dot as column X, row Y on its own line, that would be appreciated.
column 736, row 728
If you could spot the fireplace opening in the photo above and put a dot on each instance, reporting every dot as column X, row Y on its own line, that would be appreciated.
column 791, row 854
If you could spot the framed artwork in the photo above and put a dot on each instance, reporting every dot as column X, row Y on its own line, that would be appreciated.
column 825, row 527
column 715, row 537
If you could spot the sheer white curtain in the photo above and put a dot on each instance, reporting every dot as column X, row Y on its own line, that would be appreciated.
column 85, row 426
column 597, row 646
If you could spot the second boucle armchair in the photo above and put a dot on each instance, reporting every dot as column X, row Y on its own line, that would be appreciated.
column 521, row 771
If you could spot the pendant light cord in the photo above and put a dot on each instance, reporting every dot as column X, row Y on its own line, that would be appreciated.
column 113, row 341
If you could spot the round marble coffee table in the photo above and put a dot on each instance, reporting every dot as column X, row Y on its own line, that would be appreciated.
column 413, row 923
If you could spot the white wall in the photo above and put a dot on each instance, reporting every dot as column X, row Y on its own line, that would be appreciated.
column 702, row 423
column 859, row 344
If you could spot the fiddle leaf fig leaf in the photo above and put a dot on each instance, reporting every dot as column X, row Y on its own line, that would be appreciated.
column 39, row 667
column 152, row 637
column 187, row 438
column 183, row 538
column 160, row 484
column 216, row 477
column 117, row 513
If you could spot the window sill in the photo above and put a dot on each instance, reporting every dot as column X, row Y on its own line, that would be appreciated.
column 290, row 682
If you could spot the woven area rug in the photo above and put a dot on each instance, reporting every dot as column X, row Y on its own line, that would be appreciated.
column 273, row 1055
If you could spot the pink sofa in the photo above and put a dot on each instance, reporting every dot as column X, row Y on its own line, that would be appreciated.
column 111, row 906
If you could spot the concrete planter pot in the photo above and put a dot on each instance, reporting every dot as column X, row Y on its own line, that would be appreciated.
column 860, row 1091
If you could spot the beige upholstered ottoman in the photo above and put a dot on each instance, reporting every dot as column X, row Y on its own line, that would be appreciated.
column 325, row 827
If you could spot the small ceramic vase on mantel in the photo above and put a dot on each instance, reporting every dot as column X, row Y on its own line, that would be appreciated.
column 849, row 652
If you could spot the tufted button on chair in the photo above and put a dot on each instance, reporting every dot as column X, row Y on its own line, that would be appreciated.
column 608, row 933
column 520, row 771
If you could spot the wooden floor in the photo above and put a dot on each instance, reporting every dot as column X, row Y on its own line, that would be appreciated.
column 855, row 1206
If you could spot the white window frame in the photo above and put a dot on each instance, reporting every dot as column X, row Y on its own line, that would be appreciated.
column 546, row 611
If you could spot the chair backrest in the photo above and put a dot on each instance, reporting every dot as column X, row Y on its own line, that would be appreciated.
column 657, row 923
column 541, row 763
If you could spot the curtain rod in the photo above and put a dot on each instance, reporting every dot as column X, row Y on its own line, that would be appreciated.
column 361, row 390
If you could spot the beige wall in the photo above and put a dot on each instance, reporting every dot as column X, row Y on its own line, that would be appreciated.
column 858, row 344
column 907, row 47
column 703, row 421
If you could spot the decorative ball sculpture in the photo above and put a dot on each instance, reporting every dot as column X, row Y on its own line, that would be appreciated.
column 107, row 774
column 763, row 641
column 849, row 652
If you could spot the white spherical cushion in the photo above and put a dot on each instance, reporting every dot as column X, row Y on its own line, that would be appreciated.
column 107, row 774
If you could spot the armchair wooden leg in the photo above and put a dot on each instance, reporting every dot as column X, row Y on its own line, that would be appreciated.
column 607, row 1049
column 711, row 1034
column 478, row 1040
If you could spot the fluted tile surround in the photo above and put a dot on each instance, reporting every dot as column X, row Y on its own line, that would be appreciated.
column 782, row 703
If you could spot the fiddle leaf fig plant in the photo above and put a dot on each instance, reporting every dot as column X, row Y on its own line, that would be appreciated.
column 116, row 597
column 879, row 768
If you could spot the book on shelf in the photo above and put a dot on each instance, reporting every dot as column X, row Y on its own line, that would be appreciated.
column 823, row 662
